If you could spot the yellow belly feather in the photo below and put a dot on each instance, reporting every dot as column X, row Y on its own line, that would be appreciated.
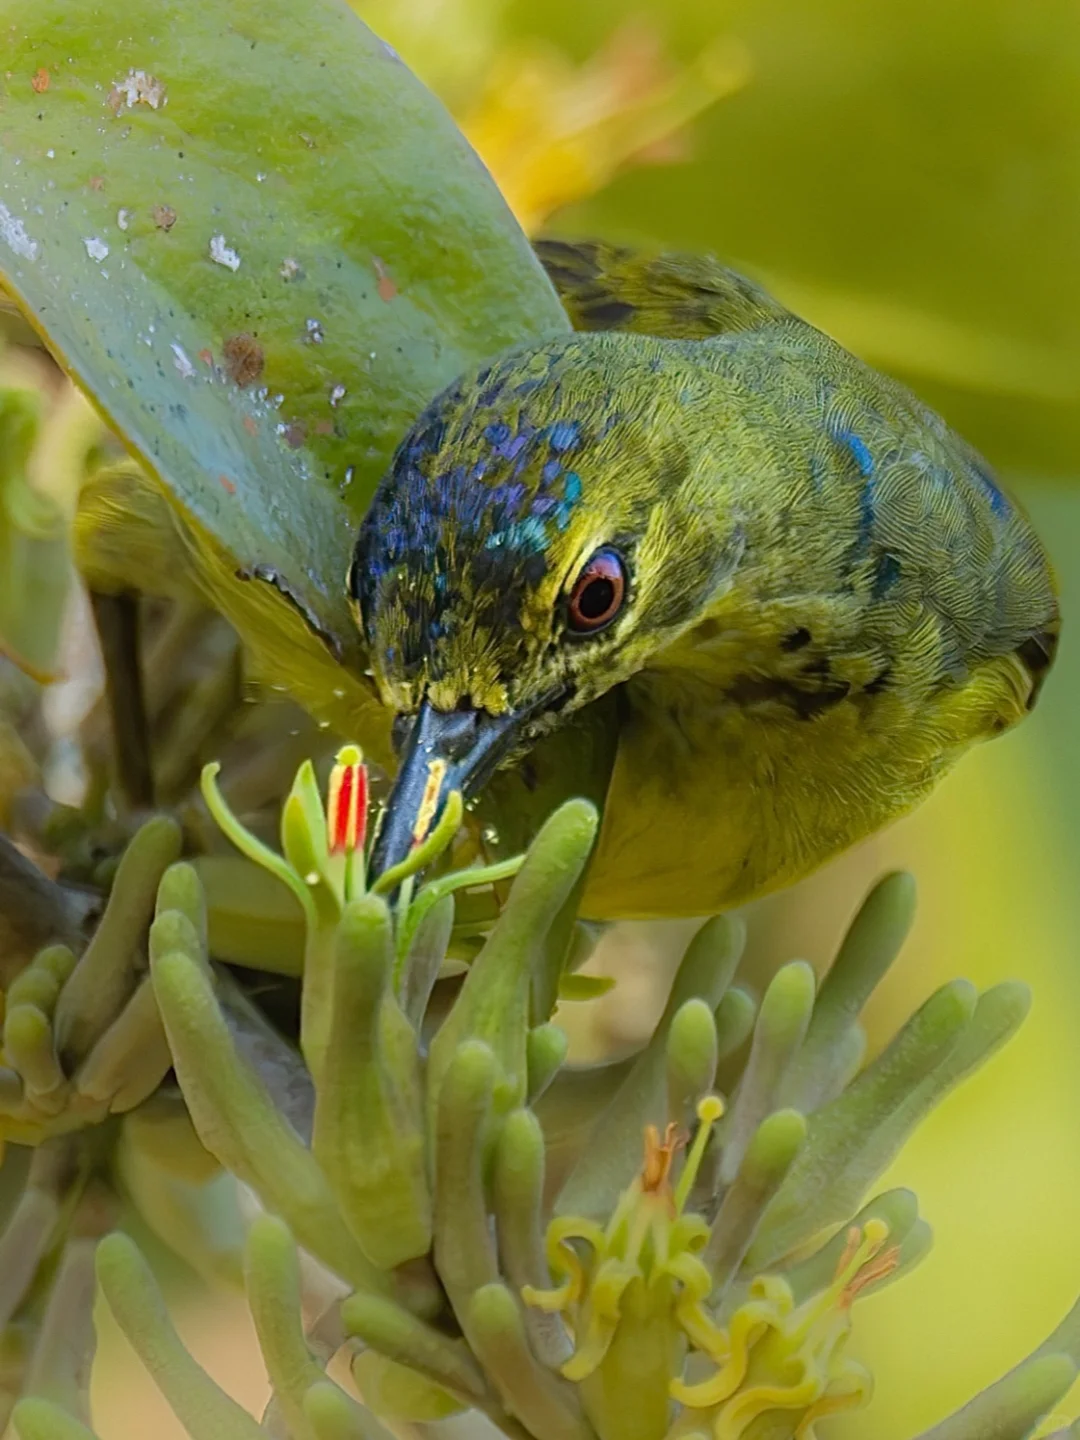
column 712, row 804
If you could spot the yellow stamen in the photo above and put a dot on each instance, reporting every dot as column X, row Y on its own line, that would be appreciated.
column 430, row 803
column 709, row 1110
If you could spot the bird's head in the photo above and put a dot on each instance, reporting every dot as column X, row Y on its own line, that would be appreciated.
column 534, row 543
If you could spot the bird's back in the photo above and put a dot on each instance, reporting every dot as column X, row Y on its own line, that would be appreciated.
column 877, row 505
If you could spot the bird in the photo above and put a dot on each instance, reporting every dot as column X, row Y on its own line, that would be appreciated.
column 794, row 594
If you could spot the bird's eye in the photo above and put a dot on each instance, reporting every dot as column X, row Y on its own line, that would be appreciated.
column 598, row 593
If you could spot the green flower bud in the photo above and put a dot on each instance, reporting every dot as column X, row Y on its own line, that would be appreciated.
column 369, row 1124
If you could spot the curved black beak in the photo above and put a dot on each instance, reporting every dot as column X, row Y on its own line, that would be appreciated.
column 446, row 750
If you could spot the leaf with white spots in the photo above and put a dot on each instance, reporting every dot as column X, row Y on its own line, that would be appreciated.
column 261, row 246
column 223, row 254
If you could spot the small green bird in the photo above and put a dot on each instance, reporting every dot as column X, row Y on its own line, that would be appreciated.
column 808, row 594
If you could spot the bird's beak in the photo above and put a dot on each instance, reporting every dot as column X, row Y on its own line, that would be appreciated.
column 447, row 750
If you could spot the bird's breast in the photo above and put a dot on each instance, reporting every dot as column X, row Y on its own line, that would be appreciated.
column 720, row 794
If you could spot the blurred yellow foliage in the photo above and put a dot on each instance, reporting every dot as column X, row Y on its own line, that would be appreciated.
column 552, row 131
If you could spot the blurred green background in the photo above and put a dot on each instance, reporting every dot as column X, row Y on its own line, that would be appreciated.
column 906, row 173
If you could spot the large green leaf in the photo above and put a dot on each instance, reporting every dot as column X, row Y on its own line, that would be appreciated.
column 261, row 246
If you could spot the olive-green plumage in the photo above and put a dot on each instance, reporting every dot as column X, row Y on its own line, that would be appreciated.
column 828, row 597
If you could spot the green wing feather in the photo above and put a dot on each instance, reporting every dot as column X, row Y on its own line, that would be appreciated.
column 647, row 292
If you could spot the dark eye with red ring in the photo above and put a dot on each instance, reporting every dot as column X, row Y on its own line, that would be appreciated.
column 598, row 593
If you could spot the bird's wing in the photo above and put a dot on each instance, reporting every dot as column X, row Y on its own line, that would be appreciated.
column 913, row 567
column 670, row 296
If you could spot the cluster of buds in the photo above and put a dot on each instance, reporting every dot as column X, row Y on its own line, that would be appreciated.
column 469, row 1219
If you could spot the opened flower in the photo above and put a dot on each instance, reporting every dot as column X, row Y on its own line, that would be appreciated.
column 639, row 1304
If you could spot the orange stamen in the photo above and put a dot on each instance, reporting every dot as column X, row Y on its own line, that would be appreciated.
column 659, row 1155
column 877, row 1269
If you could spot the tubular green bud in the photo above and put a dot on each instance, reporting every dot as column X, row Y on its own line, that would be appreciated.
column 369, row 1125
column 181, row 890
column 494, row 1004
column 423, row 954
column 547, row 1406
column 333, row 1415
column 57, row 960
column 174, row 931
column 272, row 1272
column 691, row 1059
column 41, row 1420
column 398, row 1393
column 518, row 1191
column 999, row 1013
column 303, row 826
column 239, row 1124
column 131, row 1292
column 1012, row 1408
column 545, row 1052
column 29, row 1047
column 400, row 1335
column 779, row 1031
column 768, row 1158
column 105, row 975
column 612, row 1154
column 131, row 1059
column 735, row 1017
column 464, row 1249
column 38, row 985
column 870, row 946
column 852, row 1140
